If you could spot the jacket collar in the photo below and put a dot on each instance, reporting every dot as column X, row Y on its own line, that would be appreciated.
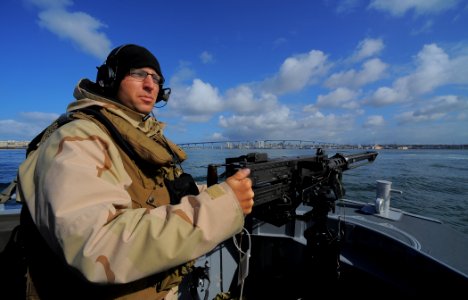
column 87, row 94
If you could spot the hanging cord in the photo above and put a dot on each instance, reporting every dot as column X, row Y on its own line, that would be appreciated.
column 244, row 257
column 160, row 106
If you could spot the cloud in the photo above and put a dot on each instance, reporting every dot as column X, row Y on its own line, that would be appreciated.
column 279, row 41
column 28, row 125
column 425, row 28
column 39, row 116
column 339, row 98
column 297, row 72
column 206, row 57
column 283, row 123
column 368, row 48
column 50, row 4
column 398, row 8
column 217, row 136
column 252, row 110
column 327, row 127
column 458, row 70
column 255, row 110
column 372, row 70
column 434, row 68
column 384, row 96
column 374, row 121
column 12, row 129
column 197, row 102
column 437, row 108
column 200, row 101
column 348, row 6
column 264, row 125
column 183, row 74
column 82, row 29
column 242, row 99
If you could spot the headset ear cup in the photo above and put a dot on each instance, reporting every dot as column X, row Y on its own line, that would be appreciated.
column 105, row 76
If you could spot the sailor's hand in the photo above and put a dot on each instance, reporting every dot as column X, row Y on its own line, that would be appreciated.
column 241, row 184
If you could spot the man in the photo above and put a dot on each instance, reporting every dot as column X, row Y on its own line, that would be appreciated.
column 108, row 211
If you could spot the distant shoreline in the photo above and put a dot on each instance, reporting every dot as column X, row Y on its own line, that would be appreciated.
column 12, row 148
column 292, row 146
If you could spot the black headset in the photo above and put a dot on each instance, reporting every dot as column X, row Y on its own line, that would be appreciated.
column 107, row 75
column 107, row 72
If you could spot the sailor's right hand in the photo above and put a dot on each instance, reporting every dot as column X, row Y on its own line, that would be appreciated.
column 241, row 184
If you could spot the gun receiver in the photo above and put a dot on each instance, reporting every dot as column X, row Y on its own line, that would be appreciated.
column 281, row 184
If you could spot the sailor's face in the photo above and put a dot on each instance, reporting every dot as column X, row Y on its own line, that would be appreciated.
column 139, row 94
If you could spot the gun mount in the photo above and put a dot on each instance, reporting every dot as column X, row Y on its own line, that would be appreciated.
column 282, row 184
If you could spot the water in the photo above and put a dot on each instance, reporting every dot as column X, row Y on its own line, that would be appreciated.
column 10, row 159
column 434, row 182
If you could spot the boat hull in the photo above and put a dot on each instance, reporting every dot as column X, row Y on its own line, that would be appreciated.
column 412, row 256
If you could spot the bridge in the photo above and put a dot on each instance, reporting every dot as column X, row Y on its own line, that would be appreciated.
column 259, row 144
column 232, row 144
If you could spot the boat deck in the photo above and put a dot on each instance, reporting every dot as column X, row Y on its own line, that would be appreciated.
column 406, row 253
column 9, row 218
column 398, row 253
column 427, row 235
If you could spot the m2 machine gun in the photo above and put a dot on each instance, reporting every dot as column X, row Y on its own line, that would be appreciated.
column 281, row 185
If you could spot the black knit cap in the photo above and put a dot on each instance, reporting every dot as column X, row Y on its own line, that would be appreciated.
column 121, row 60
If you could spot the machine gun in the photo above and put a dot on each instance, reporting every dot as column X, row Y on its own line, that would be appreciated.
column 282, row 184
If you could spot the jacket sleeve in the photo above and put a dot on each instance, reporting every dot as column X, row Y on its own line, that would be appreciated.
column 83, row 210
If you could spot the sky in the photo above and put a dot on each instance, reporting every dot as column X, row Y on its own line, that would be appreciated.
column 345, row 72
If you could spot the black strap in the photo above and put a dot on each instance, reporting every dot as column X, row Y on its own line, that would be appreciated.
column 95, row 112
column 35, row 142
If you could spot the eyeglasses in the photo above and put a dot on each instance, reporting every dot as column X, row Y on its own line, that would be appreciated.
column 141, row 75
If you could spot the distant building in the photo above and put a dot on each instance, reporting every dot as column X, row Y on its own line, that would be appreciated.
column 377, row 147
column 13, row 144
column 259, row 144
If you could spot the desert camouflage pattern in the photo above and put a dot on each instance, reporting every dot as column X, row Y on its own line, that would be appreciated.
column 75, row 186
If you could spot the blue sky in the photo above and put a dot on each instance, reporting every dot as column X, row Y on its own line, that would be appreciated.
column 352, row 71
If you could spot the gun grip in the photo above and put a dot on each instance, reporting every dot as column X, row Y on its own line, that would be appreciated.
column 212, row 175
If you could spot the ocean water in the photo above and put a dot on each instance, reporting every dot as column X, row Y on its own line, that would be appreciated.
column 434, row 182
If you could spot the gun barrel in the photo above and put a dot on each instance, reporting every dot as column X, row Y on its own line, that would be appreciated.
column 351, row 161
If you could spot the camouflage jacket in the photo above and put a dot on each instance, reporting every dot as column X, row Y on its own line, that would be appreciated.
column 76, row 188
